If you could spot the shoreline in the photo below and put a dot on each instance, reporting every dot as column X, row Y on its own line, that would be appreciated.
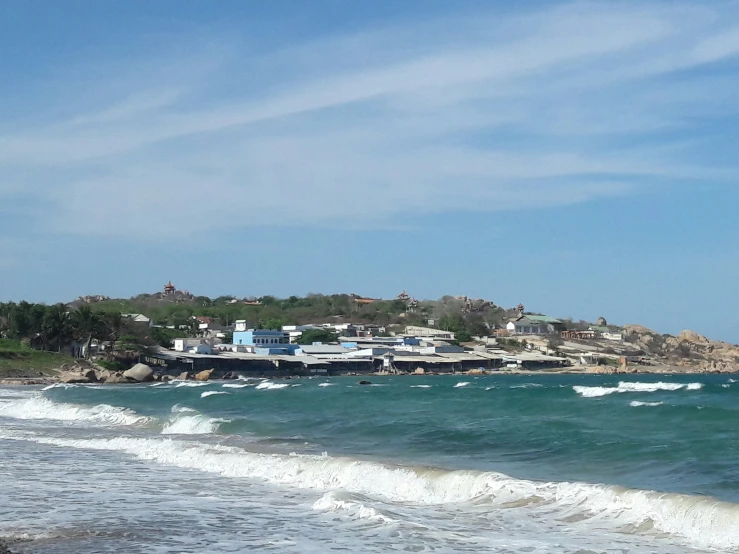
column 668, row 371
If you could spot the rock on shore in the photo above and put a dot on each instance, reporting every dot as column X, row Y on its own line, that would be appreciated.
column 139, row 373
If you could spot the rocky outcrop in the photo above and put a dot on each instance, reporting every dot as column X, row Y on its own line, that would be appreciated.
column 184, row 376
column 116, row 378
column 73, row 377
column 689, row 349
column 139, row 373
column 203, row 375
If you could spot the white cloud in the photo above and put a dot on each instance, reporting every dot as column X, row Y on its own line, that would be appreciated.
column 533, row 109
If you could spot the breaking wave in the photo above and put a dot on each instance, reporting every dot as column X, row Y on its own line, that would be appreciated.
column 420, row 386
column 38, row 407
column 626, row 386
column 703, row 521
column 637, row 403
column 211, row 393
column 234, row 386
column 269, row 385
column 461, row 384
column 191, row 384
column 186, row 421
column 350, row 506
column 326, row 384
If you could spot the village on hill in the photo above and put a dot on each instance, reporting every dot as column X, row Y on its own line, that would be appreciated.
column 353, row 334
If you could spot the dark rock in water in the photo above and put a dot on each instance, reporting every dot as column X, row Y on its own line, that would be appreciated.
column 166, row 378
column 228, row 376
column 365, row 383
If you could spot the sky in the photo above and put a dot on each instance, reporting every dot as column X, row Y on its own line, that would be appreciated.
column 577, row 157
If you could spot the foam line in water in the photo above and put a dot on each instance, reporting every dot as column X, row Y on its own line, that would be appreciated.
column 702, row 521
column 350, row 506
column 420, row 386
column 192, row 384
column 326, row 384
column 235, row 386
column 461, row 384
column 269, row 385
column 627, row 386
column 38, row 407
column 637, row 403
column 208, row 393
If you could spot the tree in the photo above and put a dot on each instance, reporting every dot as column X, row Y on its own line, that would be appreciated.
column 113, row 324
column 57, row 326
column 87, row 325
column 317, row 335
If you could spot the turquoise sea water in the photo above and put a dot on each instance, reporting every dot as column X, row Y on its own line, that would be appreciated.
column 428, row 464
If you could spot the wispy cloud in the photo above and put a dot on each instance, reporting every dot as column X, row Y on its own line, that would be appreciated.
column 533, row 109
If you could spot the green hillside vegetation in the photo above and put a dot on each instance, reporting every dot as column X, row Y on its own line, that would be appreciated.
column 18, row 360
column 270, row 312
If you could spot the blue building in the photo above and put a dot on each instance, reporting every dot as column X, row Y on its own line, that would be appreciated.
column 264, row 341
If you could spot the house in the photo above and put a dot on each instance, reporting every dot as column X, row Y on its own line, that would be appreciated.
column 429, row 332
column 138, row 319
column 553, row 324
column 194, row 345
column 578, row 335
column 523, row 325
column 264, row 341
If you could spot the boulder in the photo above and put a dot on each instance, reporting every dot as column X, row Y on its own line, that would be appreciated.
column 184, row 376
column 91, row 375
column 69, row 377
column 103, row 374
column 692, row 336
column 166, row 378
column 203, row 375
column 477, row 371
column 116, row 378
column 139, row 373
column 419, row 371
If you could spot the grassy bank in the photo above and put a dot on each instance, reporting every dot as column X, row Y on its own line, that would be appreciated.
column 17, row 360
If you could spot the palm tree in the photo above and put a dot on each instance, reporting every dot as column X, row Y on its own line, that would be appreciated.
column 87, row 325
column 57, row 326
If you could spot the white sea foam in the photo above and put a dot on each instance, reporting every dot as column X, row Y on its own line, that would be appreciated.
column 527, row 386
column 627, row 386
column 702, row 521
column 732, row 380
column 192, row 384
column 326, row 384
column 420, row 386
column 235, row 386
column 461, row 384
column 38, row 407
column 269, row 385
column 186, row 421
column 350, row 506
column 60, row 386
column 211, row 393
column 637, row 403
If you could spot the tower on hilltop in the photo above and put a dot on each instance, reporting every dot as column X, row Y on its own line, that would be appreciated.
column 169, row 289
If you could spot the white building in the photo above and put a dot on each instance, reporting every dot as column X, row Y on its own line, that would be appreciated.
column 525, row 326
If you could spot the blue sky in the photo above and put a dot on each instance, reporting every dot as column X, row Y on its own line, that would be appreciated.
column 579, row 157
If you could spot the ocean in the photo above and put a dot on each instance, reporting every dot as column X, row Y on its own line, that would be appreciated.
column 573, row 464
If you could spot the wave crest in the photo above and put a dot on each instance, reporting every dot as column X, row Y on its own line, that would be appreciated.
column 38, row 407
column 628, row 386
column 704, row 521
